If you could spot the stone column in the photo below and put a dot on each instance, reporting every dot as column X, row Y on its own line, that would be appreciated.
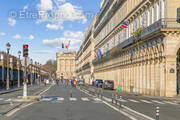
column 171, row 79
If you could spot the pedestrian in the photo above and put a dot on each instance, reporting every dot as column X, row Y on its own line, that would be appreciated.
column 57, row 82
column 45, row 82
column 74, row 83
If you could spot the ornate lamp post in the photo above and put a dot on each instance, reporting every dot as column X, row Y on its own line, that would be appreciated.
column 8, row 45
column 11, row 66
column 19, row 66
column 31, row 63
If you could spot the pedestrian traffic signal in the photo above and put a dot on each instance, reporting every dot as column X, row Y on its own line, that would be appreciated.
column 25, row 50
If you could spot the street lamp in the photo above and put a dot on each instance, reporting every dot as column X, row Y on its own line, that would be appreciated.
column 19, row 67
column 31, row 62
column 19, row 54
column 8, row 45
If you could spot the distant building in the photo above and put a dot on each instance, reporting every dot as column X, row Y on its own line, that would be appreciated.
column 66, row 65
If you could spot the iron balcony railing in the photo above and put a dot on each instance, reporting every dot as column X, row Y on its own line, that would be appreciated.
column 144, row 33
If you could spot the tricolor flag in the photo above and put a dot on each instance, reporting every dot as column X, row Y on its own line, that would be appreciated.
column 124, row 25
column 99, row 52
column 67, row 46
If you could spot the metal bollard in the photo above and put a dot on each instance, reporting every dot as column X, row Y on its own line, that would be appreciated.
column 112, row 98
column 120, row 102
column 157, row 113
column 116, row 99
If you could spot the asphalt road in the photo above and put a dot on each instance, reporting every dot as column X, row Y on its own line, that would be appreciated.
column 58, row 104
column 169, row 108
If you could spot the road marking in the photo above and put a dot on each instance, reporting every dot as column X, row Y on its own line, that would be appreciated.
column 133, row 101
column 107, row 99
column 158, row 102
column 170, row 102
column 60, row 99
column 73, row 99
column 122, row 100
column 1, row 98
column 84, row 99
column 45, row 90
column 146, row 101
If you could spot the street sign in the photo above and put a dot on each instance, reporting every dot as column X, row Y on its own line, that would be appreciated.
column 178, row 15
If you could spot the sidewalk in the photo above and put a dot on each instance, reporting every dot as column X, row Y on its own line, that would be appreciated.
column 6, row 106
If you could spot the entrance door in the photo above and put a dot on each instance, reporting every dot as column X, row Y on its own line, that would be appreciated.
column 178, row 72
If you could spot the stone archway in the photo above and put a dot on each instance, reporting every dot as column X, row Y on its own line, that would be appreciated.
column 178, row 72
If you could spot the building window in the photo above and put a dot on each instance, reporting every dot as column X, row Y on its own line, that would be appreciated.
column 152, row 15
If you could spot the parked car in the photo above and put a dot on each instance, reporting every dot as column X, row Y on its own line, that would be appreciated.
column 98, row 83
column 108, row 84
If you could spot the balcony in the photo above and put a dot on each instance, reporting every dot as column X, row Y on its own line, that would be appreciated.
column 85, row 66
column 144, row 33
column 107, row 17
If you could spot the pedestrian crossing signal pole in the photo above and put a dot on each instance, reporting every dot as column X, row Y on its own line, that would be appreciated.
column 25, row 55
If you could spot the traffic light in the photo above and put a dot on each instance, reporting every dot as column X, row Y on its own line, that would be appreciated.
column 25, row 50
column 178, row 15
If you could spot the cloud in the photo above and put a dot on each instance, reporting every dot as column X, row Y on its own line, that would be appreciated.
column 54, row 26
column 31, row 37
column 71, row 34
column 11, row 22
column 25, row 7
column 2, row 34
column 43, row 52
column 17, row 36
column 75, row 39
column 45, row 5
column 56, row 12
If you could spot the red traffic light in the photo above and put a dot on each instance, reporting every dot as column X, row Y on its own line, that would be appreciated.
column 25, row 46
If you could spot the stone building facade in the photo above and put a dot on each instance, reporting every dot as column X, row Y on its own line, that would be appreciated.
column 66, row 65
column 85, row 55
column 145, row 57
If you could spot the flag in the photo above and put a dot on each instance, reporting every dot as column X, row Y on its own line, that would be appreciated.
column 67, row 46
column 124, row 25
column 62, row 45
column 99, row 52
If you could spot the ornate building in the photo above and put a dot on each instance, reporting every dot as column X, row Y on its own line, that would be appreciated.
column 145, row 57
column 85, row 55
column 66, row 65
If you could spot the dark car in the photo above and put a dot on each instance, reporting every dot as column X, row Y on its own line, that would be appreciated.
column 108, row 84
column 98, row 83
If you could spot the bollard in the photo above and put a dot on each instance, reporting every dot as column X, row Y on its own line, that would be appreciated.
column 157, row 113
column 116, row 99
column 101, row 94
column 112, row 97
column 120, row 102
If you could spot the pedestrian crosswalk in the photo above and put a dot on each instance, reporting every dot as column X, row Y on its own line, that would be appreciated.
column 98, row 100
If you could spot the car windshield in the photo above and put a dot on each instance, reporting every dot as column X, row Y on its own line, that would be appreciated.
column 90, row 60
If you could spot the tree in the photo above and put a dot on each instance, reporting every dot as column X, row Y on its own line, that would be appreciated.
column 51, row 66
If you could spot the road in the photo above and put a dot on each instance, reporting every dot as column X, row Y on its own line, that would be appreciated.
column 58, row 104
column 146, row 105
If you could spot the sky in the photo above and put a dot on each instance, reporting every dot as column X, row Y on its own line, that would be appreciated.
column 44, row 25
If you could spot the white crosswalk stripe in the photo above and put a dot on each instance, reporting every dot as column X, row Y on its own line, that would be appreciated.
column 73, row 99
column 60, row 99
column 84, row 99
column 170, row 102
column 158, row 102
column 1, row 98
column 122, row 100
column 145, row 101
column 133, row 101
column 107, row 99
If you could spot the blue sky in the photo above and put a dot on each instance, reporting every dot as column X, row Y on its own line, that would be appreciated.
column 44, row 25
